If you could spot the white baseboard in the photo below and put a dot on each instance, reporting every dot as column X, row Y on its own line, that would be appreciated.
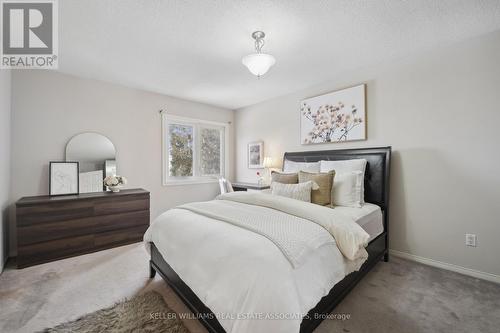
column 449, row 267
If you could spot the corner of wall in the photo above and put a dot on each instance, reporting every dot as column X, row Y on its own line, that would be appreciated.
column 5, row 152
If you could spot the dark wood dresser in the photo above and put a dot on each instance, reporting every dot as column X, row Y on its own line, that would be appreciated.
column 55, row 227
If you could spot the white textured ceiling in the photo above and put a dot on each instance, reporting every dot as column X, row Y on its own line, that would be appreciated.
column 193, row 49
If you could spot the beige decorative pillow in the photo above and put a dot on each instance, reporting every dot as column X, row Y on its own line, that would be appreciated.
column 285, row 178
column 323, row 195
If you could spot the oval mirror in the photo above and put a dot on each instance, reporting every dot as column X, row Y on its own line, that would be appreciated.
column 96, row 155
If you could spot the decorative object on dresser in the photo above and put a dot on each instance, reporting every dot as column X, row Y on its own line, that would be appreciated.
column 239, row 186
column 51, row 228
column 335, row 117
column 110, row 168
column 256, row 155
column 96, row 155
column 63, row 178
column 114, row 183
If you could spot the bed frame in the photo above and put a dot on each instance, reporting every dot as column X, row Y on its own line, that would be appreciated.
column 376, row 191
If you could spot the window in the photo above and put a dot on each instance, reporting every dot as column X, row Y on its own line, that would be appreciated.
column 193, row 150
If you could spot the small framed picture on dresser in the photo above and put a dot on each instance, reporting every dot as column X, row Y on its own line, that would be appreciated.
column 63, row 178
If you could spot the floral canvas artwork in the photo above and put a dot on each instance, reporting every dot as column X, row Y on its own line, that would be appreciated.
column 335, row 117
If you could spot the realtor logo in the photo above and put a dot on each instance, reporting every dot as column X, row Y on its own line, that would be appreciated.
column 29, row 34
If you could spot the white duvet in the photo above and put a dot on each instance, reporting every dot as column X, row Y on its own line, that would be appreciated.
column 244, row 276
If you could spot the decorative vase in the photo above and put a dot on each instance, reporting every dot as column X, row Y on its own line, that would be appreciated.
column 114, row 189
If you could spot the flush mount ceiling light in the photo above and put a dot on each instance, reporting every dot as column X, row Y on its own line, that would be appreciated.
column 258, row 63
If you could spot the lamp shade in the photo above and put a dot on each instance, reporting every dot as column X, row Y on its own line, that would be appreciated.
column 270, row 162
column 258, row 63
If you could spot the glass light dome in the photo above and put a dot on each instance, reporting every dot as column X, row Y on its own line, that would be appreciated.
column 258, row 63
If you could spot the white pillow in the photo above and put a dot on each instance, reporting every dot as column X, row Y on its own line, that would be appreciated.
column 347, row 189
column 291, row 166
column 345, row 166
column 300, row 191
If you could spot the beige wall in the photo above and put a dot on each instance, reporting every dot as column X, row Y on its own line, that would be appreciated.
column 5, row 82
column 49, row 108
column 440, row 112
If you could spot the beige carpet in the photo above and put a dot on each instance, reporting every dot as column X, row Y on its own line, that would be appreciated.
column 143, row 313
column 47, row 295
column 399, row 296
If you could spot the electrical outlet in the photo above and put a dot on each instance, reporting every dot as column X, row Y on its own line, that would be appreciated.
column 470, row 240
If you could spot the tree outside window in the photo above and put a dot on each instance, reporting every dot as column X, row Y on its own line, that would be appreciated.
column 195, row 150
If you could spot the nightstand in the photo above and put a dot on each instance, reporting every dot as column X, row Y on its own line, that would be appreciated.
column 249, row 187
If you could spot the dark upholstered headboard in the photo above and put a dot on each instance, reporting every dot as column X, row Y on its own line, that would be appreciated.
column 377, row 169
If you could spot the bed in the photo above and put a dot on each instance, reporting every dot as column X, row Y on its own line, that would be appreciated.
column 210, row 275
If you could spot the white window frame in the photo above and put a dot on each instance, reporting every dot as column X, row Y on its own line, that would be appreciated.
column 167, row 119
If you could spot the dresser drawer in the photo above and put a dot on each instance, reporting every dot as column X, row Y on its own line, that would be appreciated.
column 51, row 212
column 121, row 237
column 47, row 251
column 126, row 204
column 42, row 232
column 121, row 221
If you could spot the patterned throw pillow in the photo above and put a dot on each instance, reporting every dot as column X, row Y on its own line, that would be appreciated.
column 323, row 195
column 300, row 191
column 284, row 178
